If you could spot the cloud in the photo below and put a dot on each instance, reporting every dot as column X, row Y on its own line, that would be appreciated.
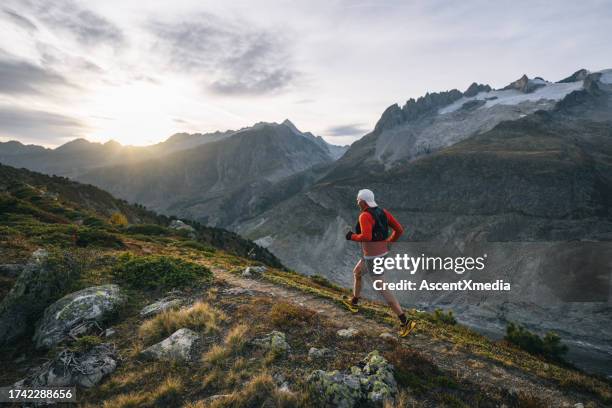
column 19, row 77
column 355, row 129
column 88, row 27
column 236, row 57
column 38, row 126
column 20, row 20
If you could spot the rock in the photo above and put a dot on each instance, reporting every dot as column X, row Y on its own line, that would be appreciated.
column 239, row 291
column 315, row 353
column 40, row 255
column 253, row 270
column 372, row 384
column 579, row 405
column 11, row 270
column 274, row 341
column 388, row 336
column 379, row 383
column 37, row 286
column 216, row 397
column 181, row 225
column 337, row 389
column 161, row 305
column 347, row 333
column 109, row 332
column 86, row 306
column 69, row 369
column 182, row 345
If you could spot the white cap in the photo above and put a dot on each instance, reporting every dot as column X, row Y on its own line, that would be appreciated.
column 367, row 196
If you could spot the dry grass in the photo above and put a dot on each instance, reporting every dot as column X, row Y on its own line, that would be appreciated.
column 287, row 315
column 200, row 317
column 169, row 393
column 234, row 343
column 260, row 391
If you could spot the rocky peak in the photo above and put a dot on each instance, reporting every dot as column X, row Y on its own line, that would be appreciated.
column 579, row 75
column 475, row 88
column 414, row 109
column 526, row 85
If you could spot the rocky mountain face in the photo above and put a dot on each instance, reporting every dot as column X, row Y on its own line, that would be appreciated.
column 218, row 182
column 521, row 164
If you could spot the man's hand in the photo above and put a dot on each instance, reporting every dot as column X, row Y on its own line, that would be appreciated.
column 349, row 234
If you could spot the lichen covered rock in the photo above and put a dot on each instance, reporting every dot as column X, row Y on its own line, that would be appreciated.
column 182, row 345
column 69, row 368
column 275, row 341
column 88, row 305
column 372, row 383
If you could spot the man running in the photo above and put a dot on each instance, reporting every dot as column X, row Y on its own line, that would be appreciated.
column 373, row 233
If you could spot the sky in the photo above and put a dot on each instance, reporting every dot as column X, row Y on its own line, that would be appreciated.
column 139, row 71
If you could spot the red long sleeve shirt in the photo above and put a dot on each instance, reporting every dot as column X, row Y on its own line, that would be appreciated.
column 376, row 248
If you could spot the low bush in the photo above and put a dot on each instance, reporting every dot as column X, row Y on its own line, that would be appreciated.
column 549, row 346
column 323, row 281
column 285, row 315
column 413, row 369
column 94, row 237
column 439, row 316
column 85, row 343
column 147, row 229
column 197, row 245
column 158, row 272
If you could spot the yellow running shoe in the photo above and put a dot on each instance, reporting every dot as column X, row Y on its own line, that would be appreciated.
column 405, row 329
column 348, row 302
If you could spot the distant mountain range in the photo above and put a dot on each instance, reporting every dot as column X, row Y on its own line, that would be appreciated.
column 531, row 162
column 80, row 156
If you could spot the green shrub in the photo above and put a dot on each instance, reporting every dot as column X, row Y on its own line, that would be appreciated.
column 93, row 222
column 197, row 245
column 439, row 316
column 87, row 237
column 158, row 272
column 85, row 343
column 323, row 281
column 550, row 346
column 147, row 229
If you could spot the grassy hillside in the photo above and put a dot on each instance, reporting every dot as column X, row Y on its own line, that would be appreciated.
column 442, row 364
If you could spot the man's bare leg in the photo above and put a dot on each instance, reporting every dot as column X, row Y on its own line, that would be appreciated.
column 357, row 274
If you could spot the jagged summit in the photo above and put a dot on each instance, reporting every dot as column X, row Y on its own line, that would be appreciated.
column 526, row 85
column 475, row 88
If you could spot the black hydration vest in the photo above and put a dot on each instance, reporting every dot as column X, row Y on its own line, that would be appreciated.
column 380, row 231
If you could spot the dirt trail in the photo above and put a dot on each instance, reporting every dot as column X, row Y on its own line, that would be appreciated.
column 446, row 356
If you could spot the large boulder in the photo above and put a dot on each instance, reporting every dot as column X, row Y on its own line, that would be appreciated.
column 372, row 383
column 69, row 369
column 40, row 283
column 92, row 304
column 182, row 345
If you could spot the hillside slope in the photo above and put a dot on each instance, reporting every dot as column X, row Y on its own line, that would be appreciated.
column 262, row 337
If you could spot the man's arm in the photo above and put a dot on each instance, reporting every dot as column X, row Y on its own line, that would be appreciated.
column 366, row 224
column 395, row 226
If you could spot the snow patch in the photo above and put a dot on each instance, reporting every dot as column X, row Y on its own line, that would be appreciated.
column 265, row 242
column 606, row 76
column 551, row 91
